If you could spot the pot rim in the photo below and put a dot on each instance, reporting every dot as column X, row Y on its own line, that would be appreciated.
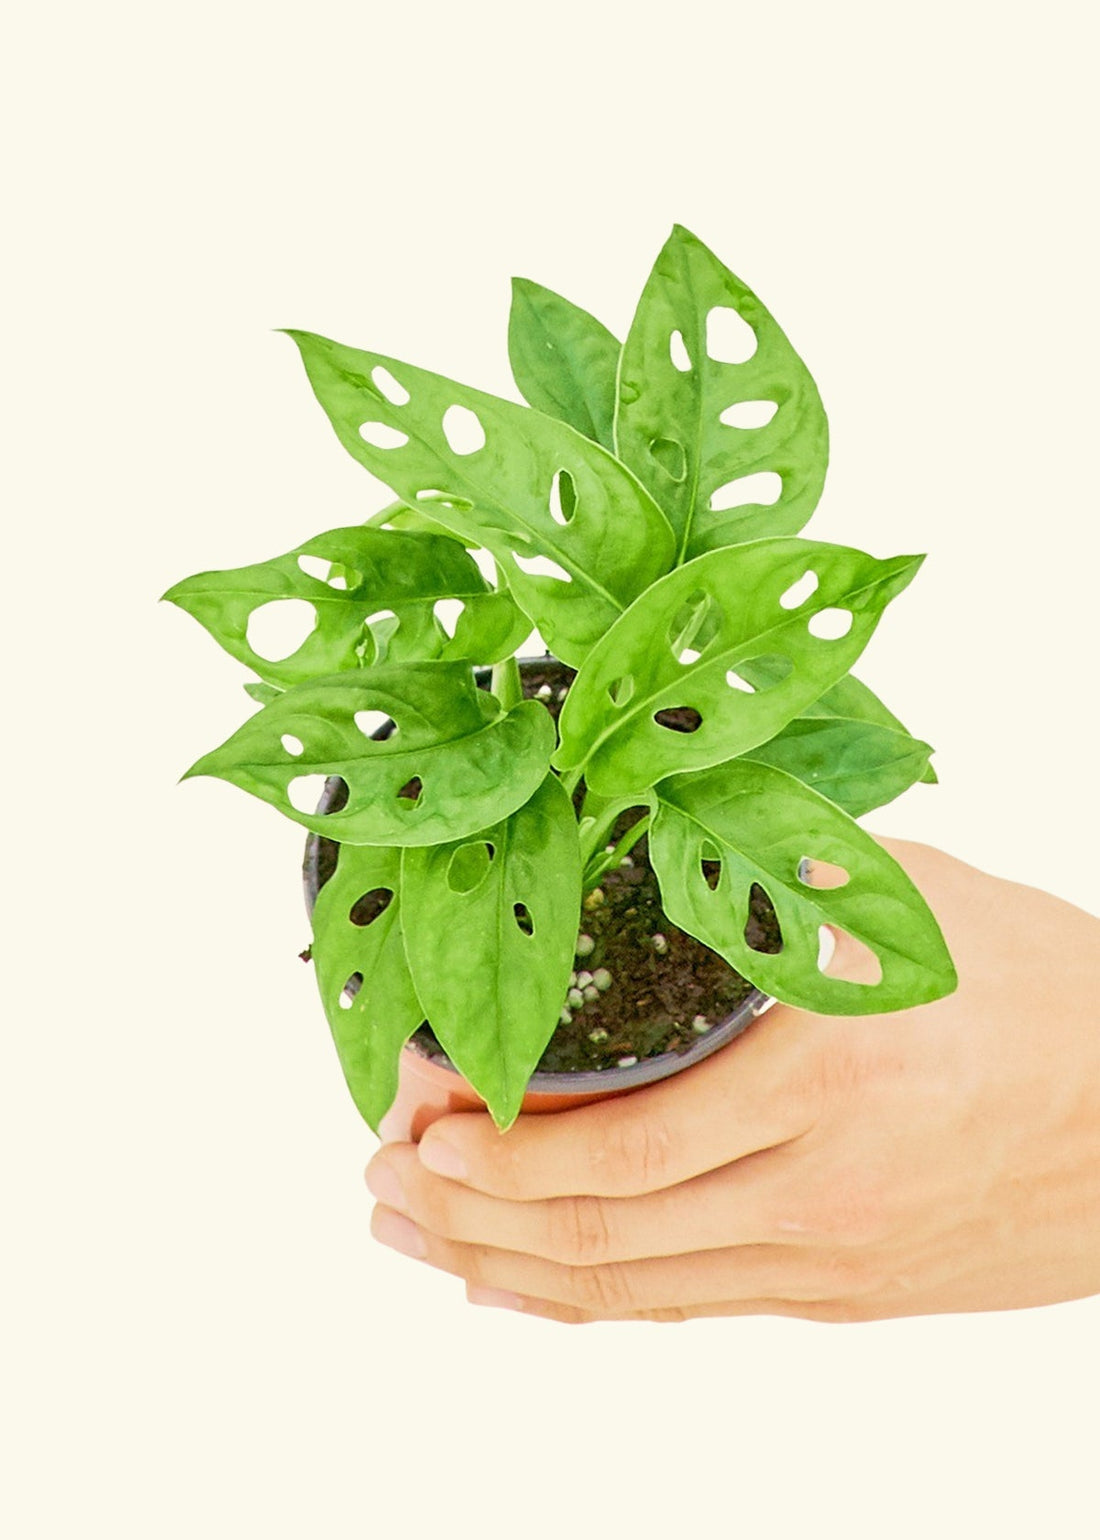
column 620, row 1078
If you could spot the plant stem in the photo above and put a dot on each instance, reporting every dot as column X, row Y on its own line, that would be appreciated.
column 610, row 858
column 506, row 684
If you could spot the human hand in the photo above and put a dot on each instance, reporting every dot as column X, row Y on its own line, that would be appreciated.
column 945, row 1158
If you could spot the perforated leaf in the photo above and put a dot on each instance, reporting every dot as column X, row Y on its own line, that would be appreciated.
column 685, row 418
column 403, row 574
column 682, row 646
column 357, row 940
column 857, row 765
column 759, row 824
column 519, row 483
column 455, row 763
column 563, row 360
column 490, row 927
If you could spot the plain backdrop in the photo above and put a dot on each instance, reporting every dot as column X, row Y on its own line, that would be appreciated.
column 200, row 1337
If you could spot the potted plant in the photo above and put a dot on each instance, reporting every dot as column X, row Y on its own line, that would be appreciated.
column 592, row 863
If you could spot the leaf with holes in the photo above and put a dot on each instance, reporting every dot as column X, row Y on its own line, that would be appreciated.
column 759, row 825
column 533, row 491
column 358, row 941
column 490, row 927
column 454, row 763
column 349, row 577
column 717, row 414
column 857, row 765
column 563, row 360
column 664, row 691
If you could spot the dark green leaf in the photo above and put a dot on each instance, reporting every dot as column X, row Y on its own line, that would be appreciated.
column 760, row 824
column 857, row 765
column 492, row 991
column 669, row 425
column 563, row 360
column 475, row 763
column 683, row 644
column 371, row 570
column 608, row 541
column 357, row 936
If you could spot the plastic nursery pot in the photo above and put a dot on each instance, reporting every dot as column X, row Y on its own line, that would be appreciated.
column 430, row 1087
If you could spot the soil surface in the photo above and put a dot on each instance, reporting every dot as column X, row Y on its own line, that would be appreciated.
column 667, row 989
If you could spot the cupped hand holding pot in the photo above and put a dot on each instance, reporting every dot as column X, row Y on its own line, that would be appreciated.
column 945, row 1158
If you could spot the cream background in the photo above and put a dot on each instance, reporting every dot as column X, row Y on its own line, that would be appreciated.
column 200, row 1338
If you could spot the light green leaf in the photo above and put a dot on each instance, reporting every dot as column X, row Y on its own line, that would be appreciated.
column 535, row 488
column 474, row 762
column 857, row 765
column 371, row 570
column 563, row 360
column 851, row 698
column 357, row 935
column 491, row 990
column 683, row 644
column 264, row 693
column 760, row 824
column 679, row 407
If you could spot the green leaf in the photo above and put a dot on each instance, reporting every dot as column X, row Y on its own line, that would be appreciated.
column 370, row 570
column 264, row 693
column 683, row 644
column 475, row 763
column 760, row 824
column 493, row 992
column 669, row 425
column 857, row 765
column 563, row 360
column 609, row 540
column 357, row 935
column 851, row 698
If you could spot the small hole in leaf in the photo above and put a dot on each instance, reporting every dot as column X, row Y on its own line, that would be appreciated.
column 830, row 625
column 335, row 795
column 278, row 628
column 411, row 792
column 730, row 338
column 304, row 794
column 463, row 431
column 469, row 866
column 563, row 497
column 620, row 690
column 822, row 874
column 375, row 724
column 394, row 392
column 444, row 499
column 380, row 615
column 669, row 454
column 541, row 566
column 749, row 414
column 710, row 865
column 762, row 488
column 735, row 682
column 694, row 626
column 799, row 591
column 315, row 567
column 367, row 908
column 850, row 959
column 523, row 919
column 677, row 351
column 382, row 436
column 762, row 933
column 448, row 613
column 350, row 990
column 680, row 719
column 294, row 746
column 765, row 672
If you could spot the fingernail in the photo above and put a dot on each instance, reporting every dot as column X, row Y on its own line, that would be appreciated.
column 382, row 1183
column 399, row 1233
column 442, row 1158
column 500, row 1299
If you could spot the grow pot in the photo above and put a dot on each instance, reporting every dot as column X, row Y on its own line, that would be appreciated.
column 429, row 1085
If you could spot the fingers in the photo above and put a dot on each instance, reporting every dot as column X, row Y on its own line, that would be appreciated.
column 735, row 1274
column 760, row 1091
column 756, row 1201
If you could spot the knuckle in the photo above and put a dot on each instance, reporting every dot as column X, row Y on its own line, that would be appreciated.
column 579, row 1231
column 633, row 1153
column 604, row 1290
